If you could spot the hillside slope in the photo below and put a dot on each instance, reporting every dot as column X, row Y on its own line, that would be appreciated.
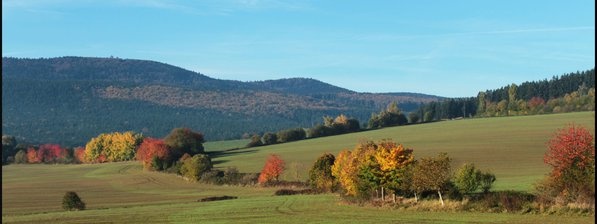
column 68, row 100
column 511, row 147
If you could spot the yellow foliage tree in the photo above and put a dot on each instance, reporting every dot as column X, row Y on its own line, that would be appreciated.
column 374, row 165
column 113, row 147
column 347, row 166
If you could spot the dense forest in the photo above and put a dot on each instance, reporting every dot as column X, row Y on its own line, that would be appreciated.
column 68, row 100
column 568, row 92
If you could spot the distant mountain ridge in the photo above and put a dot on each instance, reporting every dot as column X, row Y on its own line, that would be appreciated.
column 68, row 100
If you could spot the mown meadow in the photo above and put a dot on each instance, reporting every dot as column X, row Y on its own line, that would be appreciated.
column 511, row 147
column 122, row 192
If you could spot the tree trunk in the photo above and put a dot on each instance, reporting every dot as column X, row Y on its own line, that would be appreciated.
column 382, row 195
column 394, row 197
column 416, row 198
column 440, row 197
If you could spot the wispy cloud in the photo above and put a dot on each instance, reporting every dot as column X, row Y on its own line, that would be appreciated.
column 535, row 30
column 220, row 7
column 382, row 37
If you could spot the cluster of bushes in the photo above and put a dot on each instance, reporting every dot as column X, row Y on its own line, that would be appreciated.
column 288, row 135
column 331, row 126
column 392, row 116
column 334, row 126
column 46, row 153
column 367, row 173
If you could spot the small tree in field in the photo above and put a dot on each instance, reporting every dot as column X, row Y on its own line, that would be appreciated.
column 193, row 167
column 72, row 201
column 432, row 174
column 274, row 166
column 467, row 179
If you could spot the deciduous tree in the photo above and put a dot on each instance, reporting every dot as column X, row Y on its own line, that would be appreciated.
column 32, row 156
column 432, row 174
column 184, row 140
column 273, row 168
column 153, row 149
column 571, row 155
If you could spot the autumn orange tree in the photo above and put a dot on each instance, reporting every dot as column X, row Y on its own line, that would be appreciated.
column 273, row 168
column 154, row 154
column 79, row 155
column 571, row 154
column 32, row 156
column 347, row 166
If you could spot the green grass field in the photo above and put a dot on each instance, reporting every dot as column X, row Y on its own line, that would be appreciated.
column 511, row 147
column 124, row 193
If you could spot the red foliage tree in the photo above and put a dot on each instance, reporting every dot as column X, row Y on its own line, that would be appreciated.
column 79, row 154
column 536, row 101
column 32, row 156
column 151, row 147
column 274, row 166
column 572, row 148
column 101, row 159
column 51, row 153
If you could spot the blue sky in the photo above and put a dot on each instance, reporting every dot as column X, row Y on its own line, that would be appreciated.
column 447, row 48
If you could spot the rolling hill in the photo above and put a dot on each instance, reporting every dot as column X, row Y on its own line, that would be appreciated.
column 69, row 100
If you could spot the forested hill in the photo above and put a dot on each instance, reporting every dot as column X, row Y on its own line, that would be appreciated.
column 69, row 100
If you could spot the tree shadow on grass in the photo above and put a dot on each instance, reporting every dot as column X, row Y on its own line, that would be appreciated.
column 229, row 152
column 216, row 162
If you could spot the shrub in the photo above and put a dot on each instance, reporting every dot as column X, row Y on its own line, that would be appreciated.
column 212, row 177
column 320, row 175
column 291, row 135
column 255, row 141
column 72, row 201
column 486, row 181
column 249, row 179
column 232, row 176
column 195, row 166
column 21, row 157
column 467, row 178
column 269, row 139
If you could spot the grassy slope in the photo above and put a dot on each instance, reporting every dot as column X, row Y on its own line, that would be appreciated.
column 511, row 147
column 121, row 192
